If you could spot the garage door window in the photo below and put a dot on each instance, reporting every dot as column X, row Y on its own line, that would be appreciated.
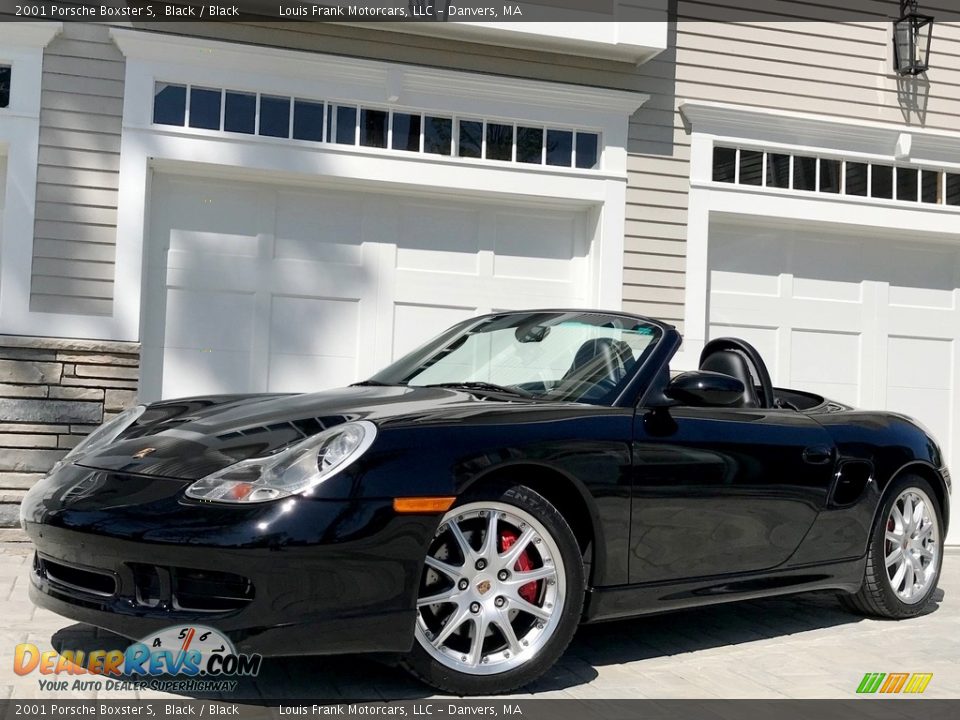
column 274, row 116
column 499, row 141
column 204, row 108
column 406, row 132
column 308, row 120
column 373, row 128
column 240, row 113
column 250, row 113
column 530, row 145
column 5, row 73
column 438, row 135
column 808, row 173
column 471, row 139
column 953, row 189
column 170, row 104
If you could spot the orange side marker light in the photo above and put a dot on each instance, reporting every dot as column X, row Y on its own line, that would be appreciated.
column 422, row 504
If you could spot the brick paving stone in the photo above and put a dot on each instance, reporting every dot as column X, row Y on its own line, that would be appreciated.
column 800, row 647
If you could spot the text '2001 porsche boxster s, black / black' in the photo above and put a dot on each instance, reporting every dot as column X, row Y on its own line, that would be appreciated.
column 471, row 504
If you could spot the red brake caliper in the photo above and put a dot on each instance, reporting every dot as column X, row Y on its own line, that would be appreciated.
column 529, row 591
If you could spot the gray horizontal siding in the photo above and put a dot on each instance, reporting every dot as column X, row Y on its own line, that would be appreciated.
column 77, row 178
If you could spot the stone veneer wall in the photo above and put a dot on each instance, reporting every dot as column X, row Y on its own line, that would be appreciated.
column 52, row 393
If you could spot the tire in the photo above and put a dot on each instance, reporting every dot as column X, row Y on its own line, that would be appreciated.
column 485, row 586
column 878, row 596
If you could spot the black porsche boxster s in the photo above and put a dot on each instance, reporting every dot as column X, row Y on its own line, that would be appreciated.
column 471, row 504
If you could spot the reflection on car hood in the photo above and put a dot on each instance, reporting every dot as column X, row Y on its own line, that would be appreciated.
column 189, row 439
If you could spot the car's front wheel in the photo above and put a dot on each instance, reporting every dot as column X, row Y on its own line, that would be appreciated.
column 904, row 555
column 500, row 595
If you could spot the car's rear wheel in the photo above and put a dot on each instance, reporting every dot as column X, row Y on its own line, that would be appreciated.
column 905, row 553
column 500, row 595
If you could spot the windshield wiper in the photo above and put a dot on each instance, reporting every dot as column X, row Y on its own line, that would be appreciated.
column 371, row 383
column 480, row 385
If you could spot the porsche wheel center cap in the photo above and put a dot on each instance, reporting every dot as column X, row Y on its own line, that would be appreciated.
column 483, row 587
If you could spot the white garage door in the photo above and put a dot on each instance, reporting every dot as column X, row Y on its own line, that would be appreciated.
column 3, row 192
column 870, row 321
column 259, row 287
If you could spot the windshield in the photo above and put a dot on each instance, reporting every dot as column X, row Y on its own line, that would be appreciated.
column 580, row 356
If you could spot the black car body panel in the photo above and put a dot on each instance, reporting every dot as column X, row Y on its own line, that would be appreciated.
column 676, row 506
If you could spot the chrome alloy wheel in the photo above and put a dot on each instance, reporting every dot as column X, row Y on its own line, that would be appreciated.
column 492, row 590
column 911, row 545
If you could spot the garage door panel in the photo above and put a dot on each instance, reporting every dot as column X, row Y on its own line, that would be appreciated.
column 536, row 246
column 931, row 266
column 320, row 279
column 307, row 373
column 415, row 324
column 924, row 322
column 829, row 290
column 827, row 359
column 325, row 227
column 314, row 326
column 932, row 407
column 3, row 191
column 458, row 229
column 209, row 320
column 231, row 210
column 922, row 298
column 738, row 283
column 840, row 260
column 839, row 317
column 188, row 270
column 214, row 243
column 734, row 250
column 312, row 249
column 422, row 289
column 919, row 363
column 189, row 372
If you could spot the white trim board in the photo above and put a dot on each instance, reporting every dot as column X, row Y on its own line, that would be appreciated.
column 21, row 46
column 145, row 147
column 829, row 134
column 635, row 42
column 391, row 79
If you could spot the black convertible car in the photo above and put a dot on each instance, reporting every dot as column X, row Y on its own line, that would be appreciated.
column 470, row 505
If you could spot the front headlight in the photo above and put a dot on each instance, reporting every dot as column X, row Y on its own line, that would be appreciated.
column 297, row 469
column 102, row 436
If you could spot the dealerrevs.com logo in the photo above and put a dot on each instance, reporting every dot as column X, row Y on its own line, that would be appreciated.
column 178, row 658
column 891, row 683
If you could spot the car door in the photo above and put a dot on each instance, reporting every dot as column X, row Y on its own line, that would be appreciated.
column 723, row 490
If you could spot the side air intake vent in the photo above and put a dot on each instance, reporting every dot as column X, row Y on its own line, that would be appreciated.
column 852, row 478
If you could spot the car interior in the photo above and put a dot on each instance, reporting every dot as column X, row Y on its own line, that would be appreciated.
column 600, row 364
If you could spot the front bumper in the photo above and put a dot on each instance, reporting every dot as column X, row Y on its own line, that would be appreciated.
column 320, row 577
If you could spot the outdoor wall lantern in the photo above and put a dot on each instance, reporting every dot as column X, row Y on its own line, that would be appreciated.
column 911, row 40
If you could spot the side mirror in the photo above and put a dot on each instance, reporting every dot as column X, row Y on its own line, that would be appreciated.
column 705, row 388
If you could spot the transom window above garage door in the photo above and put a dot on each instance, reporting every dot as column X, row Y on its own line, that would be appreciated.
column 337, row 123
column 5, row 73
column 838, row 176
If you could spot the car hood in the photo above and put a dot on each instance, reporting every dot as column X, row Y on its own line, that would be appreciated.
column 189, row 439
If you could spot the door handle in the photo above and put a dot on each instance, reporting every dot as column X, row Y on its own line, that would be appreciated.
column 817, row 454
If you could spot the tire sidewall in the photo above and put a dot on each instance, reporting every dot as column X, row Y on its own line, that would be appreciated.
column 878, row 545
column 428, row 669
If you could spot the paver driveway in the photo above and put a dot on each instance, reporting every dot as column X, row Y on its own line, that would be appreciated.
column 801, row 647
